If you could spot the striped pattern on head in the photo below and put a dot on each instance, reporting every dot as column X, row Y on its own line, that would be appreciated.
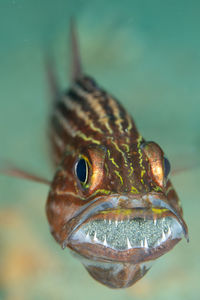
column 86, row 115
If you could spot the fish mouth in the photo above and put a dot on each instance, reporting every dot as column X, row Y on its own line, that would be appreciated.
column 123, row 229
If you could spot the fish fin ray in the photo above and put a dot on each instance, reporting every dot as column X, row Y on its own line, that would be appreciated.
column 54, row 87
column 19, row 173
column 76, row 68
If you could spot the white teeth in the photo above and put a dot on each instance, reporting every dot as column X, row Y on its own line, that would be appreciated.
column 169, row 232
column 129, row 234
column 87, row 238
column 163, row 236
column 105, row 242
column 145, row 243
column 128, row 243
column 95, row 237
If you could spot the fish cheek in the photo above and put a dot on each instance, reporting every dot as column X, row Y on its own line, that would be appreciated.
column 63, row 200
column 173, row 198
column 66, row 195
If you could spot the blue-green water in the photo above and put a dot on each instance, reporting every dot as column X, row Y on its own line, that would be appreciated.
column 147, row 53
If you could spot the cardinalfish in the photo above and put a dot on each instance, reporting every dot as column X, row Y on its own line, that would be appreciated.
column 111, row 200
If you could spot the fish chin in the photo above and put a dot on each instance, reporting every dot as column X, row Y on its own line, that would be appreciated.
column 114, row 274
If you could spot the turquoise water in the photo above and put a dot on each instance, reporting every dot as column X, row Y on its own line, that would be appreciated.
column 147, row 53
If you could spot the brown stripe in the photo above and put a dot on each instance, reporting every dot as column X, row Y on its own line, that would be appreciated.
column 96, row 106
column 80, row 114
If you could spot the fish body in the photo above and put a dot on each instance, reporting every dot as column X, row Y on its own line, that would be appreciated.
column 110, row 201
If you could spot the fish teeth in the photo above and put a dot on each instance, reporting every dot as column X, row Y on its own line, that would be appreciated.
column 145, row 243
column 95, row 237
column 142, row 244
column 128, row 243
column 169, row 231
column 154, row 222
column 163, row 236
column 87, row 237
column 116, row 223
column 109, row 222
column 105, row 242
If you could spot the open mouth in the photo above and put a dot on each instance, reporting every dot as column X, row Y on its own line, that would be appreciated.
column 129, row 234
column 108, row 232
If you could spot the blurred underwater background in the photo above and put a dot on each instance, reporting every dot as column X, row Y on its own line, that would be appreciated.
column 146, row 53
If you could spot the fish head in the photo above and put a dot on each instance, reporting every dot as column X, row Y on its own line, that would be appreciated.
column 115, row 209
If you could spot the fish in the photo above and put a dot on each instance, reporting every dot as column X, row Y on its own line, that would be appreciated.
column 111, row 201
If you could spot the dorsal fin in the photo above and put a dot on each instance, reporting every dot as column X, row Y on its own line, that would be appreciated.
column 76, row 69
column 54, row 87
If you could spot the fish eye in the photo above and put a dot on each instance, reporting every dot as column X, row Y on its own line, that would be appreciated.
column 81, row 170
column 167, row 167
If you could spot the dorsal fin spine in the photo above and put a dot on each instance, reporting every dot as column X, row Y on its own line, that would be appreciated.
column 76, row 68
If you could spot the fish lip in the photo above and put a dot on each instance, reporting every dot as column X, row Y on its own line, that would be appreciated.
column 146, row 201
column 133, row 256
